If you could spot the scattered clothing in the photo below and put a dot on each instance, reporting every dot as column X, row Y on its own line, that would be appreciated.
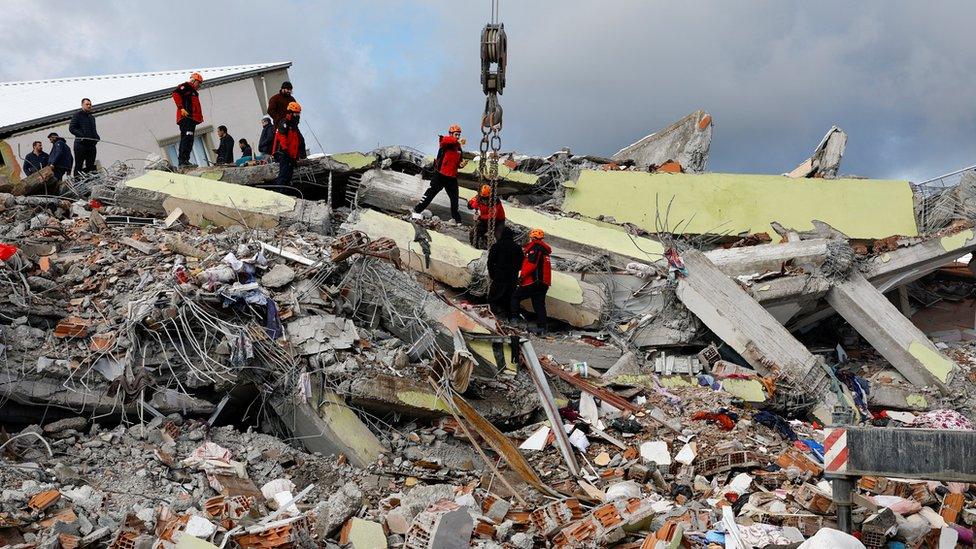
column 945, row 420
column 775, row 423
column 724, row 418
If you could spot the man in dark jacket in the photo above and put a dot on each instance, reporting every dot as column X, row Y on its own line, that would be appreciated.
column 225, row 150
column 36, row 159
column 504, row 260
column 61, row 159
column 278, row 104
column 445, row 172
column 286, row 143
column 188, row 114
column 82, row 126
column 266, row 141
column 535, row 277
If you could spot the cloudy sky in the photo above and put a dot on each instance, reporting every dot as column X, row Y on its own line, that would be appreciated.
column 898, row 76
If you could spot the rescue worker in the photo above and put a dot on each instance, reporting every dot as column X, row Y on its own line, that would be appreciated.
column 286, row 144
column 61, row 159
column 82, row 126
column 535, row 277
column 504, row 260
column 188, row 115
column 36, row 159
column 445, row 172
column 485, row 212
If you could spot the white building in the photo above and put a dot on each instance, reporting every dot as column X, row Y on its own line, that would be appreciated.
column 135, row 113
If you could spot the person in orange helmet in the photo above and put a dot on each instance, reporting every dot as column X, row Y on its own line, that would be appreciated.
column 488, row 208
column 287, row 144
column 188, row 114
column 535, row 277
column 446, row 167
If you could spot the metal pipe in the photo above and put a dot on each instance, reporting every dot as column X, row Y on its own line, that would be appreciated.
column 950, row 174
column 843, row 488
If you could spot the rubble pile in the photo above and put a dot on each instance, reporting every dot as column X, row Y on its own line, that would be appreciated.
column 190, row 360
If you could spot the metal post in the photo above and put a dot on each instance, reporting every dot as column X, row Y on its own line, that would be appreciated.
column 842, row 487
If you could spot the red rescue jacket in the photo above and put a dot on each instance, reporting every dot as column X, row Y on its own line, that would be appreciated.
column 287, row 139
column 448, row 156
column 486, row 212
column 536, row 266
column 186, row 97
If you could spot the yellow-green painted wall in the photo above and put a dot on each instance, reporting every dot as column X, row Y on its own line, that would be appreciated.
column 734, row 203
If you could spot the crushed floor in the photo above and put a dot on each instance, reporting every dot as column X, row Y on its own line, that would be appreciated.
column 189, row 360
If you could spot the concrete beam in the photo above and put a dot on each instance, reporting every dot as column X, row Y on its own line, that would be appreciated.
column 890, row 333
column 686, row 141
column 738, row 320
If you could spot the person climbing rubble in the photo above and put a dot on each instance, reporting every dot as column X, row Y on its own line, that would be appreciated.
column 188, row 115
column 446, row 167
column 287, row 143
column 487, row 208
column 535, row 277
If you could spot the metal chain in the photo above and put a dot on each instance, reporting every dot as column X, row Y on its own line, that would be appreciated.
column 494, row 55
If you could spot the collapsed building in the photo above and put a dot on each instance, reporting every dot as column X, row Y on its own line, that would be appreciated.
column 194, row 360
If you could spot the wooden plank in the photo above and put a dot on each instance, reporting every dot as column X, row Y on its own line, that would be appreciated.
column 889, row 332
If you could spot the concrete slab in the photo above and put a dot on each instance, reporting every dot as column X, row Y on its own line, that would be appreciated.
column 736, row 203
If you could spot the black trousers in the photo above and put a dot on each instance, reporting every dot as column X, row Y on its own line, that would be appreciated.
column 450, row 185
column 187, row 129
column 500, row 296
column 286, row 168
column 59, row 173
column 537, row 293
column 84, row 155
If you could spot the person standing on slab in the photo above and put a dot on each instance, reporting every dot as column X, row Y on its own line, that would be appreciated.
column 61, row 159
column 82, row 126
column 224, row 150
column 488, row 208
column 504, row 259
column 36, row 159
column 446, row 167
column 286, row 144
column 188, row 115
column 535, row 277
column 266, row 141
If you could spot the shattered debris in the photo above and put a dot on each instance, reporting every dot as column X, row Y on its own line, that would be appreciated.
column 191, row 361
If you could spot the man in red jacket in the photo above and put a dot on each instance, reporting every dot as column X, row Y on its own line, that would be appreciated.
column 445, row 172
column 488, row 208
column 188, row 114
column 287, row 144
column 535, row 277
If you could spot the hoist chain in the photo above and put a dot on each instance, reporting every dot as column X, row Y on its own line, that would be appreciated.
column 494, row 57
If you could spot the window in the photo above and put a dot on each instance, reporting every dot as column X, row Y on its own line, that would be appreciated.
column 198, row 156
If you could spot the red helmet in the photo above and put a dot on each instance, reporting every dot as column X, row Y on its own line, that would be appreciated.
column 196, row 76
column 537, row 234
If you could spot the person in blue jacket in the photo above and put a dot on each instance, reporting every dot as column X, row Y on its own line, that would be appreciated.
column 60, row 157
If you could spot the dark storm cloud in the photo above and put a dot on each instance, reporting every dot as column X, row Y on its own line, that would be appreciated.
column 594, row 76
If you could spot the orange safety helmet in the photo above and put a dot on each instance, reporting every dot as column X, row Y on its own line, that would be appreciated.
column 294, row 107
column 536, row 234
column 454, row 128
column 485, row 191
column 196, row 76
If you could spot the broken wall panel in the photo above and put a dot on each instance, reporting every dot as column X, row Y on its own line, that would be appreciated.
column 738, row 203
column 686, row 141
